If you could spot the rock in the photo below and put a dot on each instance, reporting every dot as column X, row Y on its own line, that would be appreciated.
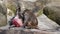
column 45, row 23
column 27, row 31
column 34, row 5
column 3, row 12
column 53, row 12
column 3, row 9
column 3, row 20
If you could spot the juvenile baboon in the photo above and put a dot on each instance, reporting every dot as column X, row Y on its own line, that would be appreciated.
column 30, row 20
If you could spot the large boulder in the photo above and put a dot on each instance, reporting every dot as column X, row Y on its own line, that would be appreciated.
column 3, row 12
column 53, row 12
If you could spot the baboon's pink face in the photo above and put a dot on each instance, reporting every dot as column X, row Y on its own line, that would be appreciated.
column 17, row 22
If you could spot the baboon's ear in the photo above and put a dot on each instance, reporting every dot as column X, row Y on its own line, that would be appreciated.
column 19, row 9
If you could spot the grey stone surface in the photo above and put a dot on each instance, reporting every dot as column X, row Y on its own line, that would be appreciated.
column 45, row 23
column 27, row 31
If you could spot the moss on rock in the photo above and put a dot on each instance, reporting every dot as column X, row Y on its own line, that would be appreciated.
column 53, row 13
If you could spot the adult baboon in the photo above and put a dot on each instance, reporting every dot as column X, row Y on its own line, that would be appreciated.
column 17, row 19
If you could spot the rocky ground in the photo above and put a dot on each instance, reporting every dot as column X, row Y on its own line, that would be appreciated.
column 45, row 25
